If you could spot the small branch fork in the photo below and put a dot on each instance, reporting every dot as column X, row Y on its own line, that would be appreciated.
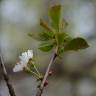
column 41, row 88
column 6, row 78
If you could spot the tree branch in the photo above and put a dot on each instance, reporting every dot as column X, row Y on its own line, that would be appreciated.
column 41, row 88
column 6, row 78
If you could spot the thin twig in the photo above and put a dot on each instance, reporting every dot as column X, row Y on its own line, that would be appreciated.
column 41, row 88
column 6, row 77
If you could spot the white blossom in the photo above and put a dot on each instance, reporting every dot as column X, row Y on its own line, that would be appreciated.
column 24, row 58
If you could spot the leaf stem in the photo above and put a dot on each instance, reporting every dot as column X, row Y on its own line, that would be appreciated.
column 41, row 88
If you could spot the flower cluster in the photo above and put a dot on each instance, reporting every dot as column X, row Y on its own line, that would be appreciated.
column 24, row 59
column 27, row 63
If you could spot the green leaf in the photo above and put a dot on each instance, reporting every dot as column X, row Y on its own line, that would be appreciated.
column 60, row 36
column 76, row 44
column 54, row 13
column 63, row 25
column 63, row 38
column 35, row 36
column 42, row 36
column 61, row 50
column 47, row 46
column 47, row 35
column 45, row 25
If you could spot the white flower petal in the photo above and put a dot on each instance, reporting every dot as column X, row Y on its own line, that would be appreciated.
column 24, row 55
column 24, row 64
column 21, row 58
column 24, row 58
column 17, row 68
column 30, row 53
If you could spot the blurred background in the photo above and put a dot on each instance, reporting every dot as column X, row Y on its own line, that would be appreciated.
column 75, row 73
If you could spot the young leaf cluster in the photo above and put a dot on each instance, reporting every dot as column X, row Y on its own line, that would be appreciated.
column 54, row 35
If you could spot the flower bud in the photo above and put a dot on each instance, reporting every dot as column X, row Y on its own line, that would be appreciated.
column 46, row 83
column 50, row 73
